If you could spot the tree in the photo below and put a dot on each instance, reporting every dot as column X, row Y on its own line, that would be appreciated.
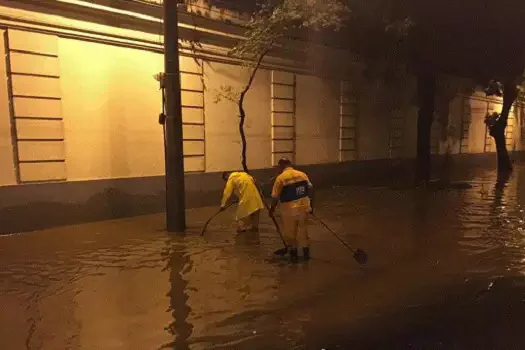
column 497, row 122
column 392, row 44
column 485, row 46
column 481, row 40
column 268, row 29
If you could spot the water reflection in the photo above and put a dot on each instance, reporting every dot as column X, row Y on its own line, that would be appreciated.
column 177, row 263
column 493, row 225
column 125, row 285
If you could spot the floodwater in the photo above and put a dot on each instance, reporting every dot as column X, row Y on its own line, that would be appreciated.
column 446, row 271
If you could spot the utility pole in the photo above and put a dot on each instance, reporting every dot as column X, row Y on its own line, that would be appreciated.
column 175, row 205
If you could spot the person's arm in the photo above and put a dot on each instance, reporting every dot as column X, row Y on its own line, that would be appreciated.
column 228, row 191
column 276, row 193
column 311, row 195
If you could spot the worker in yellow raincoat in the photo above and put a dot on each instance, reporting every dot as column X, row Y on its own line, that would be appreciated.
column 250, row 201
column 293, row 190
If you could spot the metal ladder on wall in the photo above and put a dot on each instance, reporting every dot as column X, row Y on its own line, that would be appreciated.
column 283, row 95
column 396, row 137
column 466, row 118
column 348, row 124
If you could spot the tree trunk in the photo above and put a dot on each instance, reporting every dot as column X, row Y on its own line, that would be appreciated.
column 242, row 112
column 497, row 131
column 426, row 88
column 504, row 164
column 242, row 116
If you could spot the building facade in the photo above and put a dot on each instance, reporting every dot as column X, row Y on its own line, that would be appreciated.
column 79, row 105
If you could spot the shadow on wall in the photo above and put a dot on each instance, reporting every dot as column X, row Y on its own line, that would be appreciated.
column 34, row 207
column 109, row 204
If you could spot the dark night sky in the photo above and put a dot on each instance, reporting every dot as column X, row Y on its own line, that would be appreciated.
column 466, row 37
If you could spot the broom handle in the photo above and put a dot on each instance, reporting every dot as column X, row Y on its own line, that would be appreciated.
column 332, row 232
column 271, row 216
column 213, row 217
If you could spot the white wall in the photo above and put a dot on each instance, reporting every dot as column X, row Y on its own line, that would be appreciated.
column 374, row 123
column 110, row 105
column 456, row 121
column 317, row 120
column 223, row 143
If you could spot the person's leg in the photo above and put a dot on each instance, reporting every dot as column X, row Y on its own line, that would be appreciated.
column 243, row 224
column 290, row 234
column 289, row 231
column 254, row 218
column 303, row 239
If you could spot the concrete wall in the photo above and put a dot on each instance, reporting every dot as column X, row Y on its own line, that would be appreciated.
column 110, row 107
column 456, row 125
column 85, row 116
column 476, row 139
column 107, row 104
column 374, row 123
column 317, row 120
column 223, row 143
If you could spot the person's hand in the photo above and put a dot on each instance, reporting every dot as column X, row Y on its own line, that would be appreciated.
column 222, row 209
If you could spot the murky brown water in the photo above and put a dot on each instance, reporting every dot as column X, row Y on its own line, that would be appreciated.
column 445, row 272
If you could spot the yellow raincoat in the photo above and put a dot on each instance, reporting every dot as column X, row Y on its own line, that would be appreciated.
column 243, row 185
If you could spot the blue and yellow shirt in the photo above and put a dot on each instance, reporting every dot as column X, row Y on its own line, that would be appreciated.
column 292, row 188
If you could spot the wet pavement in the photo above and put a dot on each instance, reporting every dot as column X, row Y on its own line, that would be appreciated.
column 446, row 271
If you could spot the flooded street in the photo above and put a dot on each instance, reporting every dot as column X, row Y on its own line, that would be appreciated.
column 446, row 271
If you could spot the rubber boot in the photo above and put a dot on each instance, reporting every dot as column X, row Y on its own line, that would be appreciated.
column 306, row 254
column 294, row 257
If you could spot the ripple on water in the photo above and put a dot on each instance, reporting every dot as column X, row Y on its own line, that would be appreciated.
column 127, row 285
